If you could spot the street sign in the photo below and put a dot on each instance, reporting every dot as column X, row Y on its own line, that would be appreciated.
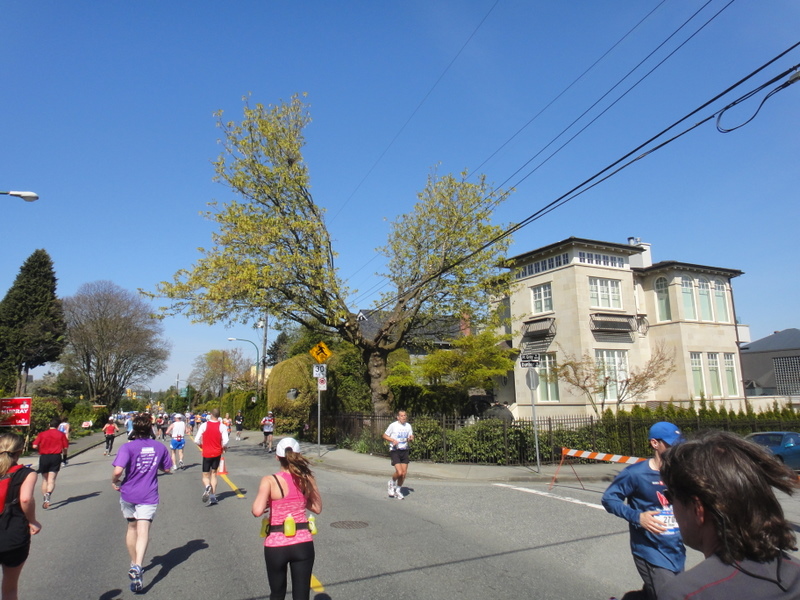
column 322, row 384
column 529, row 364
column 320, row 352
column 532, row 379
column 318, row 371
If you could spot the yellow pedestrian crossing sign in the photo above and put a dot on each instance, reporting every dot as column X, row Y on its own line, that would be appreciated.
column 320, row 352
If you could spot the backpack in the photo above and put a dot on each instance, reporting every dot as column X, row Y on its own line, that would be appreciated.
column 14, row 531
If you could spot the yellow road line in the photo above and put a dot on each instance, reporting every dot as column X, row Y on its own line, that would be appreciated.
column 238, row 492
column 316, row 585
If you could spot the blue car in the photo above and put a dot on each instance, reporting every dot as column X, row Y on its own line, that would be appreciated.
column 785, row 445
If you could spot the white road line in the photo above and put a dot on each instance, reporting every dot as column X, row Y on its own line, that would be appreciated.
column 549, row 495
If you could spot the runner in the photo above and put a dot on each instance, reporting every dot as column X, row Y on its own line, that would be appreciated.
column 398, row 434
column 52, row 445
column 140, row 459
column 212, row 437
column 177, row 431
column 17, row 484
column 268, row 427
column 227, row 421
column 110, row 430
column 637, row 495
column 239, row 421
column 286, row 496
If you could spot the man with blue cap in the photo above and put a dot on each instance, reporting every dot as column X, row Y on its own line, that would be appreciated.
column 637, row 495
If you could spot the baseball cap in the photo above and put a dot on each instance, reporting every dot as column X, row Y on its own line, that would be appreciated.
column 285, row 443
column 667, row 432
column 269, row 413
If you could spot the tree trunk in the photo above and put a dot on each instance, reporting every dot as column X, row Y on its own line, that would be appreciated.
column 375, row 359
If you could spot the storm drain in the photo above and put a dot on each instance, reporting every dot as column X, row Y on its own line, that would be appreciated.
column 349, row 524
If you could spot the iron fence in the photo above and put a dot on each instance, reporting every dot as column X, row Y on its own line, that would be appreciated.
column 448, row 439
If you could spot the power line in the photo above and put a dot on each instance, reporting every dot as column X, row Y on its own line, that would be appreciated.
column 414, row 112
column 610, row 170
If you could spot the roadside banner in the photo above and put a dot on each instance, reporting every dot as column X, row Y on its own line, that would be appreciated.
column 15, row 412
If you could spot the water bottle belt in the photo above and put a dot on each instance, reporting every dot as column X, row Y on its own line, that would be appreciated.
column 279, row 528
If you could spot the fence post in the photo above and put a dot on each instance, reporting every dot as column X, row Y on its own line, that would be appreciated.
column 444, row 441
column 630, row 438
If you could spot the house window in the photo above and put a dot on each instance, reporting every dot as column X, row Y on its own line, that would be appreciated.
column 542, row 298
column 730, row 374
column 687, row 289
column 721, row 301
column 662, row 299
column 787, row 374
column 548, row 382
column 604, row 293
column 704, row 296
column 696, row 360
column 613, row 364
column 714, row 375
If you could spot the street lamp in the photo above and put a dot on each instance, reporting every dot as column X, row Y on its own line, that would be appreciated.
column 27, row 196
column 258, row 362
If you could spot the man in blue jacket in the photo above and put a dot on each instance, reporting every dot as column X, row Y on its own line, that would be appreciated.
column 637, row 495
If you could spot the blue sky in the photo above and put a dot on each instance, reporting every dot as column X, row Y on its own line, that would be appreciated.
column 108, row 116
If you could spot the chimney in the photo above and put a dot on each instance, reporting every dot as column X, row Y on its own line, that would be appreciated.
column 642, row 260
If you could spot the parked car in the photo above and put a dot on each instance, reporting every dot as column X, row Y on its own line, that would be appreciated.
column 785, row 445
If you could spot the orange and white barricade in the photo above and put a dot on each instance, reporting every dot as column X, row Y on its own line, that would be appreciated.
column 602, row 456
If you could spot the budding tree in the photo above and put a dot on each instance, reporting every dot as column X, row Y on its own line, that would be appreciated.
column 272, row 252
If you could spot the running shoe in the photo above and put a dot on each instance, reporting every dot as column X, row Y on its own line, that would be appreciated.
column 180, row 465
column 135, row 574
column 46, row 502
column 206, row 493
column 391, row 489
column 212, row 499
column 398, row 493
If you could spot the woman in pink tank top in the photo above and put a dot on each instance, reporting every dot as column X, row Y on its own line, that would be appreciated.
column 288, row 493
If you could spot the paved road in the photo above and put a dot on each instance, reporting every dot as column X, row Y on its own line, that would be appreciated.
column 485, row 536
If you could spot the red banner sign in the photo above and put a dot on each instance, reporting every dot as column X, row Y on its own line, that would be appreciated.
column 15, row 412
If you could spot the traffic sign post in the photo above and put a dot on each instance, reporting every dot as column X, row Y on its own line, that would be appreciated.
column 321, row 354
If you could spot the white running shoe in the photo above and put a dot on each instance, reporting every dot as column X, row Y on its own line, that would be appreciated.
column 398, row 493
column 391, row 489
column 206, row 493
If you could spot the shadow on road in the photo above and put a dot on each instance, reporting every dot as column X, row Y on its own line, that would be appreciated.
column 72, row 499
column 172, row 559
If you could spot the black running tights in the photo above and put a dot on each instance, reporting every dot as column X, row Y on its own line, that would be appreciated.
column 297, row 557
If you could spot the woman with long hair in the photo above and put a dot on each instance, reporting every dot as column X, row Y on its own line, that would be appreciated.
column 18, row 512
column 285, row 497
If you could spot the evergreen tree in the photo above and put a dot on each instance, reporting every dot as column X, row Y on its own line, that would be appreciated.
column 32, row 325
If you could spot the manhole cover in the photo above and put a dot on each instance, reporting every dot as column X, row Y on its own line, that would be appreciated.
column 349, row 524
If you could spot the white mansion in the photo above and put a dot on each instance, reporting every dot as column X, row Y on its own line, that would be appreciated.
column 580, row 297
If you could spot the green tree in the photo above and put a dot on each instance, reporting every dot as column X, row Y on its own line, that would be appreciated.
column 217, row 370
column 273, row 252
column 114, row 342
column 475, row 361
column 32, row 328
column 278, row 350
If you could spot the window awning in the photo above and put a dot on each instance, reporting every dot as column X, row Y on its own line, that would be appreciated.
column 539, row 328
column 613, row 322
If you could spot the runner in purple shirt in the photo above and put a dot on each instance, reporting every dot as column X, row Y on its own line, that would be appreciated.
column 140, row 459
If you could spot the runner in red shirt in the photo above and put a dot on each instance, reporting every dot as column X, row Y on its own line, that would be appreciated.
column 212, row 437
column 52, row 445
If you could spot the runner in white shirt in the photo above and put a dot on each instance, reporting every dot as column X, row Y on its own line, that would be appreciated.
column 177, row 431
column 398, row 434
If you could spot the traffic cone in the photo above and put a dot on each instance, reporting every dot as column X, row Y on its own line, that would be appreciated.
column 222, row 468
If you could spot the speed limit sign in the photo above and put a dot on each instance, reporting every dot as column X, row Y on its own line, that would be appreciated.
column 319, row 371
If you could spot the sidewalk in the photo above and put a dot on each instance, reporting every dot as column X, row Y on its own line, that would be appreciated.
column 347, row 461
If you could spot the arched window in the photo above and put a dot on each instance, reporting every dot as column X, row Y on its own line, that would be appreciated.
column 662, row 299
column 687, row 291
column 721, row 301
column 704, row 298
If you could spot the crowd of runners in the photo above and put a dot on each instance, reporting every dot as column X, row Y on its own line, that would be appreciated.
column 714, row 492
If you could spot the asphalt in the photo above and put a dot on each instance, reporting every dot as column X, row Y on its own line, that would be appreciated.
column 339, row 459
